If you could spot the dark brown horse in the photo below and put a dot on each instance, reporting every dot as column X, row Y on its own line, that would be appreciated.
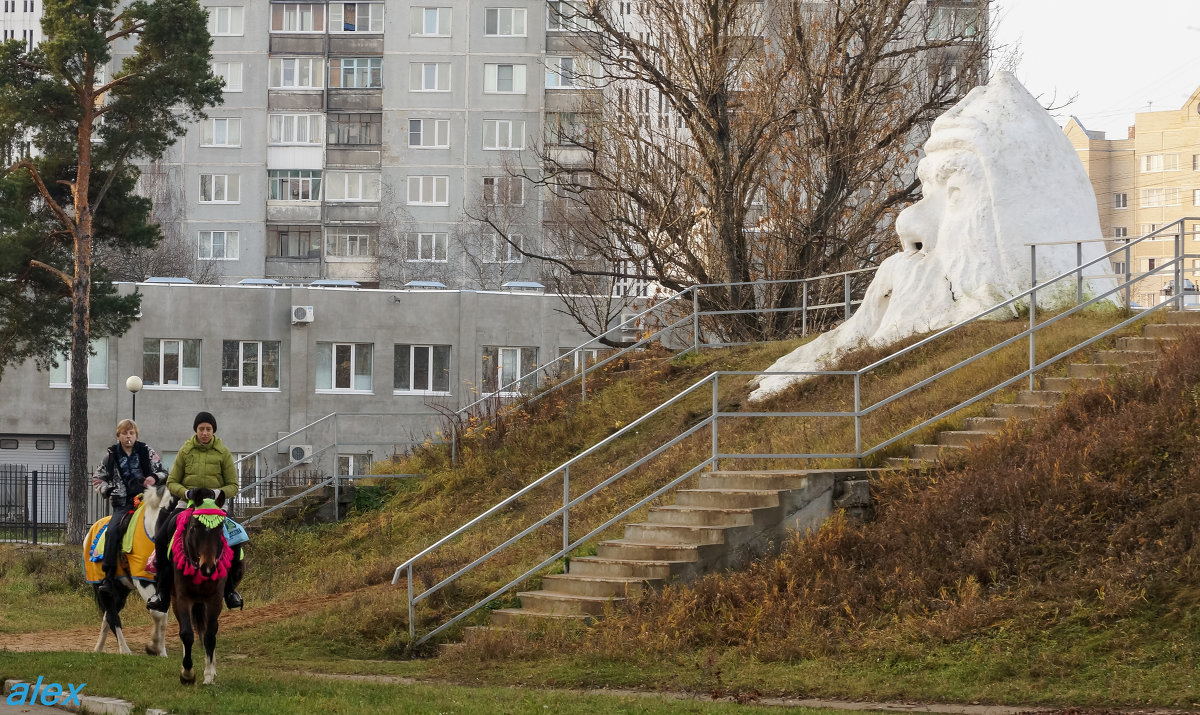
column 201, row 560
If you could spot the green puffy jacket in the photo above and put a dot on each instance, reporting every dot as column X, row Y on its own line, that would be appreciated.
column 203, row 465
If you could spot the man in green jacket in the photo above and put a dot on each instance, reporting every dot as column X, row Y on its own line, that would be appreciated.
column 202, row 461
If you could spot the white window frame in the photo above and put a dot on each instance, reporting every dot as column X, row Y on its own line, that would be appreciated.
column 226, row 21
column 300, row 67
column 431, row 353
column 576, row 76
column 503, row 191
column 501, row 246
column 279, row 126
column 495, row 17
column 503, row 135
column 420, row 16
column 189, row 375
column 516, row 79
column 297, row 17
column 1160, row 196
column 364, row 72
column 360, row 383
column 349, row 242
column 220, row 188
column 418, row 76
column 351, row 186
column 427, row 247
column 97, row 366
column 430, row 190
column 1120, row 200
column 231, row 72
column 214, row 129
column 310, row 178
column 440, row 133
column 521, row 369
column 1195, row 197
column 1120, row 232
column 1151, row 163
column 556, row 22
column 260, row 349
column 206, row 245
column 374, row 21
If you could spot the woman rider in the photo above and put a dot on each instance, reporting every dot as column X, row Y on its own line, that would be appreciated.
column 202, row 461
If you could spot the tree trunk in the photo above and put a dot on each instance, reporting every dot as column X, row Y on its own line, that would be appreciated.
column 77, row 484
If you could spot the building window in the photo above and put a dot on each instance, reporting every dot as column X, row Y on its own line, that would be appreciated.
column 427, row 247
column 428, row 190
column 1146, row 228
column 1120, row 232
column 567, row 16
column 294, row 128
column 1150, row 263
column 217, row 131
column 294, row 185
column 503, row 191
column 97, row 366
column 356, row 17
column 225, row 21
column 344, row 367
column 349, row 241
column 504, row 22
column 294, row 241
column 565, row 73
column 297, row 17
column 1170, row 162
column 1160, row 197
column 354, row 465
column 296, row 73
column 503, row 134
column 431, row 21
column 1119, row 267
column 250, row 364
column 503, row 79
column 570, row 128
column 220, row 188
column 231, row 73
column 1195, row 197
column 429, row 133
column 422, row 368
column 356, row 72
column 352, row 186
column 503, row 366
column 362, row 128
column 170, row 363
column 1120, row 201
column 218, row 246
column 1152, row 162
column 505, row 250
column 430, row 77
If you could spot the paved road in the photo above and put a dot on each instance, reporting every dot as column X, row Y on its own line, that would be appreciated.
column 6, row 709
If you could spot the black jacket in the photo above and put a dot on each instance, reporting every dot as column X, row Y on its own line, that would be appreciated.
column 109, row 472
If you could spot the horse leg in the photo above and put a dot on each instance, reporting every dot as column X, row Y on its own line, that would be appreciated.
column 103, row 635
column 210, row 639
column 186, row 676
column 158, row 631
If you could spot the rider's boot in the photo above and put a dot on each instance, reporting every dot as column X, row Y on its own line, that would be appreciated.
column 233, row 599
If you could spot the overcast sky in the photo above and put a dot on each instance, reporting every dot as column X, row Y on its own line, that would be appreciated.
column 1118, row 56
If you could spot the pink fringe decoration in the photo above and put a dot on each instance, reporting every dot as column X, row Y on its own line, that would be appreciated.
column 183, row 565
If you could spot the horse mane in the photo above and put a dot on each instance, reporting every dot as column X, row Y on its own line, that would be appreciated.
column 155, row 498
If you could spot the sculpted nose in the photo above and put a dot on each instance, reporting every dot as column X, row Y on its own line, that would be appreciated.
column 912, row 229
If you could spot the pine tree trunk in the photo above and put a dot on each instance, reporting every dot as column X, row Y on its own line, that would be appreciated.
column 77, row 480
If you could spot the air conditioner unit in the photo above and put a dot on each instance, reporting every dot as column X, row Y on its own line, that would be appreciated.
column 302, row 314
column 300, row 453
column 628, row 324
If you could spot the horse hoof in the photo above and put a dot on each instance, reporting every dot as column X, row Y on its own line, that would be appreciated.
column 150, row 650
column 209, row 681
column 187, row 677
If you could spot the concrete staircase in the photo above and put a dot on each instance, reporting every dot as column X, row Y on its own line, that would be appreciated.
column 317, row 506
column 1131, row 353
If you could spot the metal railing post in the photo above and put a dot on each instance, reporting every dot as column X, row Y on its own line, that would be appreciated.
column 846, row 282
column 34, row 507
column 1179, row 291
column 412, row 621
column 454, row 445
column 804, row 311
column 566, row 502
column 337, row 443
column 858, row 417
column 716, row 381
column 1079, row 272
column 695, row 320
column 583, row 380
column 1128, row 278
column 1032, row 313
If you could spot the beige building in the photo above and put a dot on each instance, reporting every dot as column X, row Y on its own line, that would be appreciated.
column 1144, row 182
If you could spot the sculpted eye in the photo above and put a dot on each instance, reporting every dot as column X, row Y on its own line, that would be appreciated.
column 952, row 194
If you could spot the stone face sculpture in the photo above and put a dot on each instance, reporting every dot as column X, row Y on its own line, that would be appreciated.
column 998, row 174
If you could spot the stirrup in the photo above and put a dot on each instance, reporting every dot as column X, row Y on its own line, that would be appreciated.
column 157, row 602
column 108, row 585
column 233, row 600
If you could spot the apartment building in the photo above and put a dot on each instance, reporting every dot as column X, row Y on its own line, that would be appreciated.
column 1144, row 182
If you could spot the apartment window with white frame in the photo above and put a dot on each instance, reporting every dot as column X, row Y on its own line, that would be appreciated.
column 296, row 73
column 354, row 465
column 1120, row 232
column 503, row 191
column 1119, row 268
column 352, row 186
column 231, row 73
column 505, row 250
column 1195, row 197
column 431, row 21
column 566, row 73
column 250, row 365
column 297, row 17
column 354, row 128
column 294, row 242
column 355, row 17
column 220, row 188
column 1195, row 162
column 218, row 245
column 1146, row 228
column 293, row 184
column 504, row 22
column 344, row 367
column 429, row 77
column 225, row 21
column 1167, row 196
column 171, row 362
column 1170, row 162
column 567, row 16
column 221, row 131
column 503, row 134
column 427, row 247
column 350, row 241
column 97, row 366
column 421, row 369
column 356, row 72
column 1152, row 162
column 501, row 367
column 1151, row 263
column 1120, row 201
column 294, row 129
column 503, row 78
column 428, row 190
column 429, row 133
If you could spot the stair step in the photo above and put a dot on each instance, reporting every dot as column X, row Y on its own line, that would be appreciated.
column 991, row 425
column 1103, row 370
column 1168, row 330
column 700, row 516
column 293, row 490
column 550, row 602
column 1125, row 357
column 934, row 452
column 1067, row 384
column 675, row 534
column 600, row 586
column 1183, row 317
column 1023, row 412
column 754, row 481
column 516, row 616
column 1039, row 397
column 642, row 551
column 963, row 438
column 1143, row 343
column 908, row 463
column 629, row 568
column 729, row 498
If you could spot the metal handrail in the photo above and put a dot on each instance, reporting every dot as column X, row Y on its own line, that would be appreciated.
column 860, row 411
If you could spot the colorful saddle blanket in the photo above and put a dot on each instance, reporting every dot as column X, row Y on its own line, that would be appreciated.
column 137, row 547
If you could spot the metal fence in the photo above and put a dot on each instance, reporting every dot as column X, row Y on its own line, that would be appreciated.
column 33, row 503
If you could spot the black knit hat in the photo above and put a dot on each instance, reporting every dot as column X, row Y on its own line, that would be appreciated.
column 204, row 417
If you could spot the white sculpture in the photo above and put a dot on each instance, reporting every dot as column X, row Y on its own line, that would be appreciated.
column 998, row 174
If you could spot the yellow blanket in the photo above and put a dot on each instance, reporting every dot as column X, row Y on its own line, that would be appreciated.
column 139, row 544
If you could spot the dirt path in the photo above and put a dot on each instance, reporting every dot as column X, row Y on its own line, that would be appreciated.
column 137, row 634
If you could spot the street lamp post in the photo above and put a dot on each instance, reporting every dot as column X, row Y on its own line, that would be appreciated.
column 134, row 384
